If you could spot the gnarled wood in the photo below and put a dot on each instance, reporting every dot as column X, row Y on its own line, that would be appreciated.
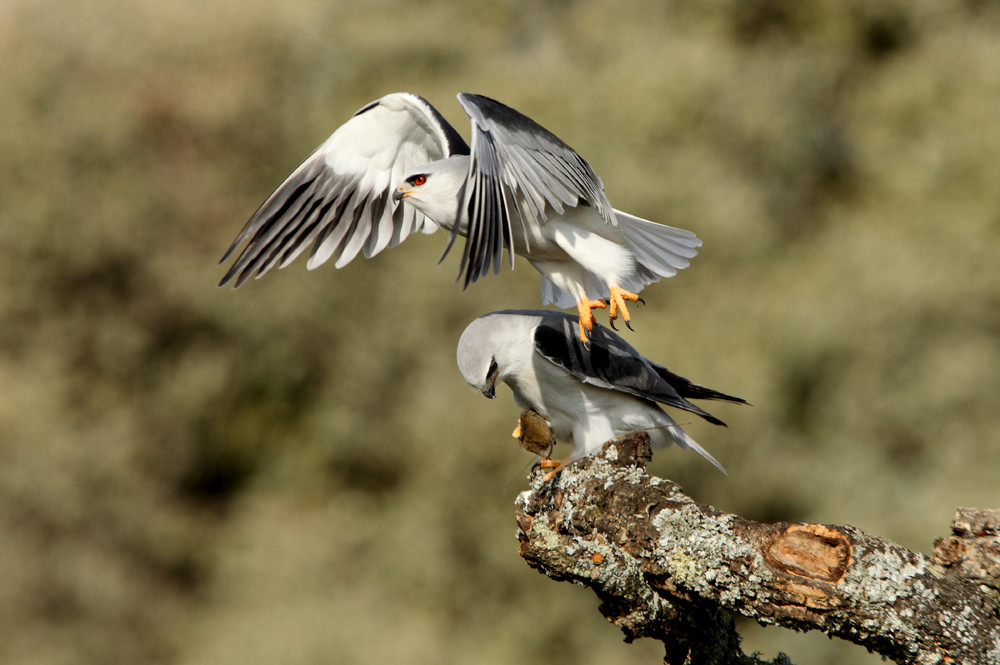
column 668, row 568
column 973, row 549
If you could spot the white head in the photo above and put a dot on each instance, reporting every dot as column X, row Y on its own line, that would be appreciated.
column 477, row 356
column 434, row 188
column 498, row 347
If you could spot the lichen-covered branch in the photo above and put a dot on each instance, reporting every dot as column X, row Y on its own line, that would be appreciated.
column 668, row 568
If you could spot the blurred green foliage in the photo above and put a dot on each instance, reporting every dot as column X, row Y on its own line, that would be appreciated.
column 295, row 472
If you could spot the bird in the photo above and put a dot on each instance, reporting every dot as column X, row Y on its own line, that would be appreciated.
column 397, row 167
column 589, row 392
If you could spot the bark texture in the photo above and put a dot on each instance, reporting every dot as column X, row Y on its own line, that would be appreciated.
column 677, row 571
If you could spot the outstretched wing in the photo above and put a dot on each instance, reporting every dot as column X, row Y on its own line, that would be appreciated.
column 518, row 170
column 340, row 198
column 610, row 362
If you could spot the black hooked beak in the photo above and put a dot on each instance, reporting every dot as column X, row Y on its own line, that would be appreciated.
column 490, row 390
column 397, row 195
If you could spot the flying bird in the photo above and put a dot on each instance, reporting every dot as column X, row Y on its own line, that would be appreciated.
column 397, row 167
column 589, row 392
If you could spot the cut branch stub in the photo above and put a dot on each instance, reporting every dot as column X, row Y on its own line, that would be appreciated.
column 973, row 549
column 811, row 550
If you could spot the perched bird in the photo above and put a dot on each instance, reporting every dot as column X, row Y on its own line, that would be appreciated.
column 588, row 392
column 397, row 167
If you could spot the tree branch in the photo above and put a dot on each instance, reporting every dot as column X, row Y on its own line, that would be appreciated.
column 674, row 570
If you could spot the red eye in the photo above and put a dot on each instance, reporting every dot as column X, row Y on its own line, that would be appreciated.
column 418, row 180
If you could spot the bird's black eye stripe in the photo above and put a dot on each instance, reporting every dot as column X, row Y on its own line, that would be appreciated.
column 493, row 368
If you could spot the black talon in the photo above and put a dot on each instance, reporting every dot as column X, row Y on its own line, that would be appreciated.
column 629, row 326
column 640, row 300
column 611, row 322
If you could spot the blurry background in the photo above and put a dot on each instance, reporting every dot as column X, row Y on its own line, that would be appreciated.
column 295, row 472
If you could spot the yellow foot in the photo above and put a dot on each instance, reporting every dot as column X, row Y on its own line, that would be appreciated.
column 585, row 307
column 555, row 465
column 616, row 302
column 517, row 432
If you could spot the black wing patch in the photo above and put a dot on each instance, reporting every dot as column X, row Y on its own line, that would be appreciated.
column 454, row 143
column 610, row 362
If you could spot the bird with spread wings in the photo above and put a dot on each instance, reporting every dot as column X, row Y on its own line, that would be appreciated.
column 397, row 167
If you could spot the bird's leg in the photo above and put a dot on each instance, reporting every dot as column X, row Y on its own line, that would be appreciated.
column 585, row 307
column 616, row 302
column 517, row 431
column 555, row 465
